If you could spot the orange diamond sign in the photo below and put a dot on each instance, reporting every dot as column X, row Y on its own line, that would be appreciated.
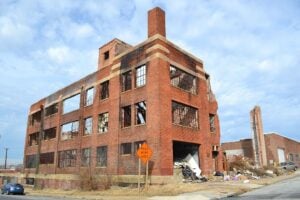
column 144, row 152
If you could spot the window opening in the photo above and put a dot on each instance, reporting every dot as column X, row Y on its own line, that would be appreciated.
column 102, row 156
column 183, row 80
column 69, row 130
column 140, row 76
column 34, row 139
column 49, row 133
column 71, row 104
column 67, row 158
column 88, row 126
column 47, row 158
column 126, row 81
column 85, row 157
column 106, row 55
column 89, row 96
column 140, row 110
column 126, row 148
column 126, row 116
column 212, row 122
column 184, row 115
column 103, row 123
column 50, row 110
column 104, row 90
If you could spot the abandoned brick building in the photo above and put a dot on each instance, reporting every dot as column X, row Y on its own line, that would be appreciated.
column 154, row 92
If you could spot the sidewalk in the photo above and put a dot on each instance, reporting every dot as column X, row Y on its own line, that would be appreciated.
column 180, row 191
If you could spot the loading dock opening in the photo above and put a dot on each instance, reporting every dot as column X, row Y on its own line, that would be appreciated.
column 182, row 149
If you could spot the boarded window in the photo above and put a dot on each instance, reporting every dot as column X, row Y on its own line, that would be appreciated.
column 102, row 156
column 49, row 133
column 104, row 90
column 33, row 139
column 89, row 97
column 126, row 81
column 88, row 126
column 183, row 80
column 51, row 110
column 103, row 123
column 126, row 116
column 69, row 130
column 31, row 161
column 67, row 158
column 212, row 123
column 184, row 115
column 47, row 158
column 140, row 111
column 126, row 148
column 85, row 157
column 71, row 104
column 140, row 76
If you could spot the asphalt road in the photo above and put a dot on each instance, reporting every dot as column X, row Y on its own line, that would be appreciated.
column 288, row 189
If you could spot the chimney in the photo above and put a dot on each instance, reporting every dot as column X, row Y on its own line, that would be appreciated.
column 156, row 22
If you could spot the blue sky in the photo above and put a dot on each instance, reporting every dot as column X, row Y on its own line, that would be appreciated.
column 251, row 49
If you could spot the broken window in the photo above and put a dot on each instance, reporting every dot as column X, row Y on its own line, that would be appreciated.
column 212, row 123
column 104, row 90
column 49, row 133
column 140, row 111
column 183, row 80
column 291, row 157
column 102, row 156
column 126, row 116
column 67, row 158
column 126, row 81
column 89, row 96
column 103, row 123
column 31, row 161
column 126, row 148
column 35, row 118
column 85, row 157
column 71, row 104
column 137, row 145
column 140, row 76
column 106, row 55
column 47, row 158
column 88, row 125
column 69, row 130
column 51, row 110
column 184, row 115
column 34, row 139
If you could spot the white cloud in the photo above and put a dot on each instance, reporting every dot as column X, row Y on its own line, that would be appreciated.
column 60, row 54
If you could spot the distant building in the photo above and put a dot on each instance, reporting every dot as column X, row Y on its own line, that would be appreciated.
column 153, row 92
column 278, row 149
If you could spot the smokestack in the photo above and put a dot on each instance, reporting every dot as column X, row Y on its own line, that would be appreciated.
column 156, row 22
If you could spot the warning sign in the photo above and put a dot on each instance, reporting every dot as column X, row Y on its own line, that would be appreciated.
column 144, row 152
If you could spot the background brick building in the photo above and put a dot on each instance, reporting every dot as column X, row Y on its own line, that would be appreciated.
column 278, row 149
column 153, row 92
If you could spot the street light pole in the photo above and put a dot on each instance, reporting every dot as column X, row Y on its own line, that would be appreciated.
column 5, row 162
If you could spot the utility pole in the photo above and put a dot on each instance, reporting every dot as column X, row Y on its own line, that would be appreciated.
column 5, row 162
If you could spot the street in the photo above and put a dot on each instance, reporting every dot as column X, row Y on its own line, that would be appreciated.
column 288, row 189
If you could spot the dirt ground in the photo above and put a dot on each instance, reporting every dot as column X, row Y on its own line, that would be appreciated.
column 216, row 188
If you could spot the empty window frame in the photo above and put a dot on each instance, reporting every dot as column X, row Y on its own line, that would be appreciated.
column 183, row 80
column 104, row 90
column 103, row 123
column 31, row 161
column 71, row 104
column 212, row 127
column 67, row 158
column 106, row 55
column 126, row 148
column 89, row 96
column 49, row 133
column 140, row 112
column 85, row 157
column 35, row 118
column 126, row 116
column 51, row 110
column 47, row 158
column 126, row 81
column 140, row 76
column 88, row 126
column 184, row 115
column 102, row 156
column 69, row 130
column 33, row 139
